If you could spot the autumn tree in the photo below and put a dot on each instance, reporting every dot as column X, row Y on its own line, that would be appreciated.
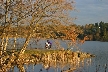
column 14, row 13
column 47, row 12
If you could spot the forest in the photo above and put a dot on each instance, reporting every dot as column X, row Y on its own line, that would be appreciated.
column 96, row 32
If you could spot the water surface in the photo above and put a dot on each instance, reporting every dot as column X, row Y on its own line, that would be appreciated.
column 96, row 64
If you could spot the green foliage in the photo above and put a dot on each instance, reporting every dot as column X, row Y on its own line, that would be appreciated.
column 99, row 31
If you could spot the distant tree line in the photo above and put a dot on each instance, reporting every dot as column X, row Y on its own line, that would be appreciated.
column 95, row 32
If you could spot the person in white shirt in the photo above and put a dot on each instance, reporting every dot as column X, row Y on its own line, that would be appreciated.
column 48, row 44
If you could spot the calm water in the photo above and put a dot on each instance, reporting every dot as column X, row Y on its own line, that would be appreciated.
column 98, row 63
column 100, row 49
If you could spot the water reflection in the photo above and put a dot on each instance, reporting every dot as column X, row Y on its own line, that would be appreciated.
column 62, row 60
column 50, row 61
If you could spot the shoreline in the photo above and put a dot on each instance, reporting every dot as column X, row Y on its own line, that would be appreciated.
column 45, row 57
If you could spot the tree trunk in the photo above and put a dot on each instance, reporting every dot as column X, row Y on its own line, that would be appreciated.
column 4, row 49
column 14, row 46
column 1, row 50
column 28, row 37
column 25, row 45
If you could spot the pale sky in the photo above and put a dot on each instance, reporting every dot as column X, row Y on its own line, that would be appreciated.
column 90, row 11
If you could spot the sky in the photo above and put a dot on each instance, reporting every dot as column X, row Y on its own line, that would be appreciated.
column 90, row 11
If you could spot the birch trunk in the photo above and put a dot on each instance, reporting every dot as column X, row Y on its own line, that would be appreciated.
column 25, row 45
column 5, row 46
column 1, row 49
column 28, row 38
column 14, row 46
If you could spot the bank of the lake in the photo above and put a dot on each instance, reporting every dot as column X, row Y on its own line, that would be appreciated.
column 46, row 56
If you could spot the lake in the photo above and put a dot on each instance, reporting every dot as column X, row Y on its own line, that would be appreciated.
column 100, row 62
column 96, row 64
